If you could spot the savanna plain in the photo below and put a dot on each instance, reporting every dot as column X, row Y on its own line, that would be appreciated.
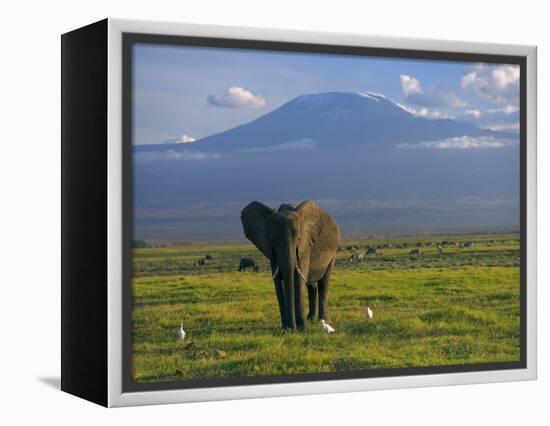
column 440, row 307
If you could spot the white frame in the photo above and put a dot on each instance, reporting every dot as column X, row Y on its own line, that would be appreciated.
column 114, row 221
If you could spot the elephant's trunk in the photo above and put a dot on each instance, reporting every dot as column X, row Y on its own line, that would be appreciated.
column 288, row 277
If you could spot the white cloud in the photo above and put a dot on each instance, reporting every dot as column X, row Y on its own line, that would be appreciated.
column 423, row 112
column 471, row 79
column 506, row 75
column 473, row 113
column 186, row 139
column 304, row 144
column 410, row 85
column 185, row 155
column 460, row 143
column 508, row 109
column 237, row 97
column 500, row 83
column 502, row 127
column 505, row 118
column 441, row 96
column 182, row 139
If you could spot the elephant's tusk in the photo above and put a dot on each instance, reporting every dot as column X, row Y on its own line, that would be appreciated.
column 300, row 272
column 275, row 273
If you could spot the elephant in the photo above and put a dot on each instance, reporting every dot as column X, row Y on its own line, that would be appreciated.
column 300, row 243
column 247, row 262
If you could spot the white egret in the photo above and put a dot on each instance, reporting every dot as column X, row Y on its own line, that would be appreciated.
column 369, row 313
column 181, row 332
column 326, row 327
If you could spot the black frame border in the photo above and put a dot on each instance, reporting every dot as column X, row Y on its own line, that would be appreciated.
column 130, row 39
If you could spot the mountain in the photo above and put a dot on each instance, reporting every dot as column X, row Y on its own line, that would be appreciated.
column 369, row 162
column 332, row 120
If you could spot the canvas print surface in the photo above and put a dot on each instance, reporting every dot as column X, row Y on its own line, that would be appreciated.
column 316, row 213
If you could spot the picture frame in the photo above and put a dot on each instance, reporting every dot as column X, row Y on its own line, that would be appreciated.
column 98, row 217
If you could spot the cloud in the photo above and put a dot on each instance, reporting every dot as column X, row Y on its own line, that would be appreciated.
column 410, row 85
column 441, row 96
column 184, row 155
column 182, row 139
column 186, row 139
column 237, row 97
column 505, row 118
column 304, row 144
column 502, row 127
column 460, row 143
column 423, row 112
column 508, row 109
column 474, row 113
column 499, row 83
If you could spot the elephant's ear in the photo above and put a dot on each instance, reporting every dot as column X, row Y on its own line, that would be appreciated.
column 311, row 222
column 255, row 219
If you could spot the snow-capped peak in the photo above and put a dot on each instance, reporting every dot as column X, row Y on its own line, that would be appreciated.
column 372, row 95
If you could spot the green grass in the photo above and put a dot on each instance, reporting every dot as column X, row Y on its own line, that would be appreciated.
column 455, row 308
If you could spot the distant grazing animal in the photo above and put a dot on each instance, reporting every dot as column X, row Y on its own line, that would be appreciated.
column 208, row 257
column 414, row 252
column 370, row 315
column 419, row 244
column 466, row 245
column 440, row 248
column 356, row 258
column 372, row 250
column 199, row 262
column 429, row 243
column 247, row 262
column 327, row 328
column 181, row 332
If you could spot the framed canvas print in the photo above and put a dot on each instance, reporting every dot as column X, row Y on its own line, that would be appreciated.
column 251, row 213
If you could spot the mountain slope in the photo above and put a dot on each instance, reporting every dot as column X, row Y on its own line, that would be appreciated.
column 333, row 120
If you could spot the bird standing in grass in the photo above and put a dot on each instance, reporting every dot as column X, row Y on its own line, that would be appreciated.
column 327, row 328
column 181, row 332
column 369, row 313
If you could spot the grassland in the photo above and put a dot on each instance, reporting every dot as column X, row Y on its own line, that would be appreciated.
column 461, row 306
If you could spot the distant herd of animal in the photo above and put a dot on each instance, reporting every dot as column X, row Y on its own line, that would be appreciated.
column 356, row 256
column 249, row 263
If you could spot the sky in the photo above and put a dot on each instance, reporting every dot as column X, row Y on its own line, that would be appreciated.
column 183, row 93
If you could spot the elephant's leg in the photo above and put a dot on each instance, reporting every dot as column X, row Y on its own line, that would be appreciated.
column 312, row 297
column 280, row 298
column 324, row 284
column 300, row 302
